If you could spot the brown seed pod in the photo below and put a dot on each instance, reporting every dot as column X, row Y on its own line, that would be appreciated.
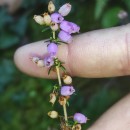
column 52, row 98
column 62, row 100
column 77, row 127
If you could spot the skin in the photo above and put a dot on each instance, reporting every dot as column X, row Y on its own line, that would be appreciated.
column 95, row 54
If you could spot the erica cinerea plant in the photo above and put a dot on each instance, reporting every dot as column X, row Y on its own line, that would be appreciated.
column 62, row 31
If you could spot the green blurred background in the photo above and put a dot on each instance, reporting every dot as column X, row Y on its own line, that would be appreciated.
column 23, row 99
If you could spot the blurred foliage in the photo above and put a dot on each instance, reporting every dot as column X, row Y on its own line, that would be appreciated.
column 23, row 99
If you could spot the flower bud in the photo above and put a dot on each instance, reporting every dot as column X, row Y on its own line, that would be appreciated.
column 62, row 100
column 80, row 118
column 75, row 27
column 52, row 48
column 56, row 18
column 54, row 26
column 47, row 18
column 69, row 27
column 48, row 61
column 39, row 19
column 53, row 114
column 52, row 98
column 51, row 7
column 35, row 59
column 65, row 9
column 65, row 37
column 67, row 79
column 40, row 63
column 67, row 90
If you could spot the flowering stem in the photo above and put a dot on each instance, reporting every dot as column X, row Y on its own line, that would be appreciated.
column 60, row 84
column 65, row 114
column 58, row 75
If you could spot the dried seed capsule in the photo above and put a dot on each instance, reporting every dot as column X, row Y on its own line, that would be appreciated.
column 62, row 100
column 51, row 7
column 47, row 18
column 39, row 19
column 77, row 127
column 40, row 63
column 67, row 79
column 54, row 26
column 53, row 114
column 52, row 98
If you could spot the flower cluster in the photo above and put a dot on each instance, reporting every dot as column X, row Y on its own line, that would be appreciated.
column 62, row 31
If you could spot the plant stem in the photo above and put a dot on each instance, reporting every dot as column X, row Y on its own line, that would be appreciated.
column 58, row 75
column 53, row 32
column 60, row 84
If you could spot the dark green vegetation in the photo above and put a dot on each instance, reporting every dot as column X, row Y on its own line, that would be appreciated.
column 23, row 99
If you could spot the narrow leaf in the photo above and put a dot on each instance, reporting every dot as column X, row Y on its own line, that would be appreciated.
column 50, row 69
column 45, row 29
column 63, row 68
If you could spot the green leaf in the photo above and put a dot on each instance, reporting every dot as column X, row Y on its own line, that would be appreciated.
column 59, row 42
column 50, row 69
column 68, row 103
column 7, row 40
column 63, row 68
column 110, row 18
column 46, row 29
column 100, row 5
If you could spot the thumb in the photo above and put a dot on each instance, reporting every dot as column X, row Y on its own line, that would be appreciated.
column 101, row 53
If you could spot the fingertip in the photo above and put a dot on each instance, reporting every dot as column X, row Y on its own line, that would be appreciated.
column 39, row 49
column 23, row 62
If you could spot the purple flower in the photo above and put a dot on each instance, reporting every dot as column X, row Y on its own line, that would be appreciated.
column 80, row 118
column 52, row 48
column 48, row 61
column 75, row 27
column 56, row 17
column 69, row 27
column 66, row 26
column 67, row 90
column 65, row 37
